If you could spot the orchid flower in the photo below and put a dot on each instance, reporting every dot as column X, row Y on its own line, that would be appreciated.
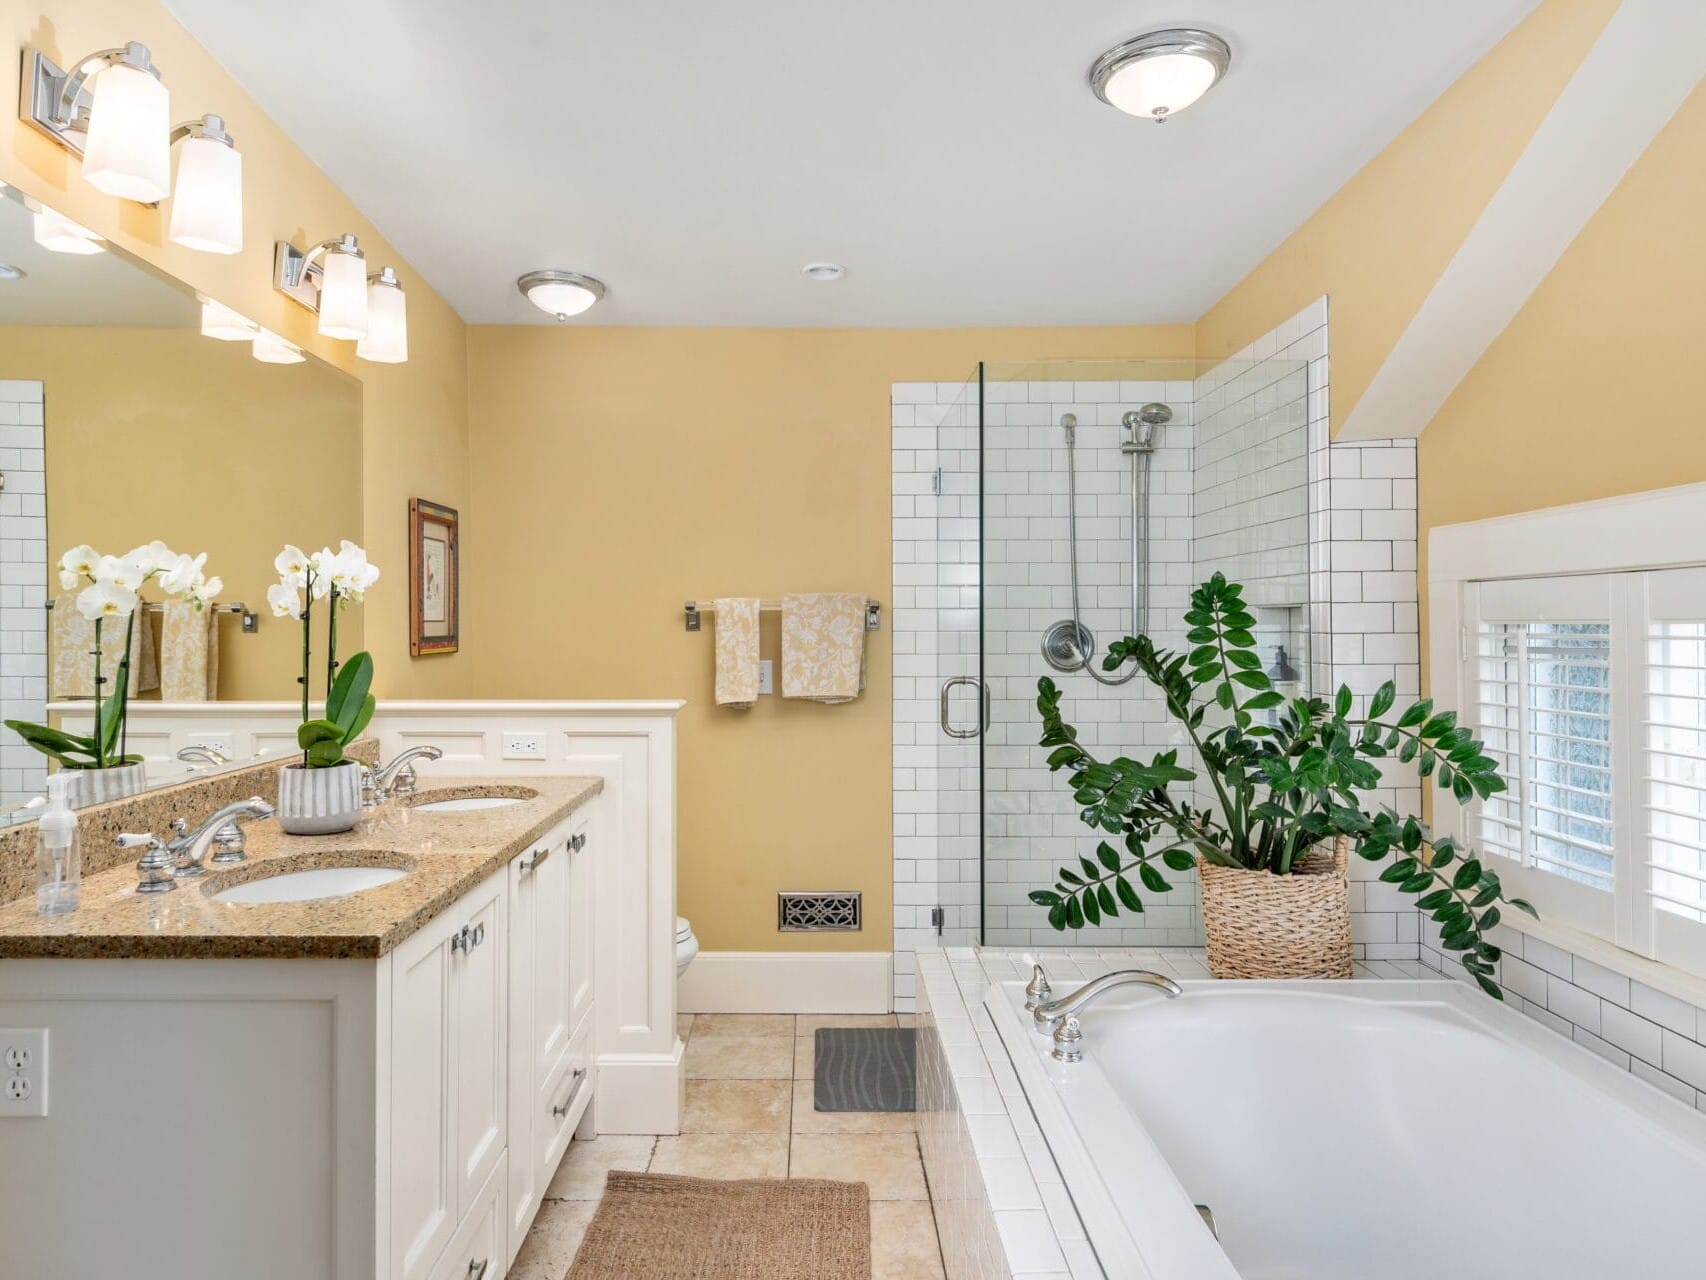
column 292, row 565
column 285, row 599
column 78, row 565
column 107, row 599
column 203, row 590
column 153, row 558
column 181, row 574
column 120, row 572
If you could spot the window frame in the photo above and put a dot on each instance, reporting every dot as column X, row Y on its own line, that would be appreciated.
column 1616, row 540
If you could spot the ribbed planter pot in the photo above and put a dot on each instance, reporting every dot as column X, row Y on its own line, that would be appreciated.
column 1260, row 925
column 95, row 786
column 319, row 802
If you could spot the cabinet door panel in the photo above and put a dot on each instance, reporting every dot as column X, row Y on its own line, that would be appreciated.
column 424, row 1208
column 522, row 1197
column 477, row 1043
column 580, row 916
column 551, row 942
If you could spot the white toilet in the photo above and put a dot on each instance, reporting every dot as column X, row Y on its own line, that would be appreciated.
column 686, row 945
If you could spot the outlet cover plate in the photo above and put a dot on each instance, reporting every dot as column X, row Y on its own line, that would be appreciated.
column 524, row 746
column 767, row 676
column 23, row 1072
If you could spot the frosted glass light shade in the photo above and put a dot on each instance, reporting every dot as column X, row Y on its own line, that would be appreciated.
column 343, row 296
column 387, row 340
column 271, row 349
column 55, row 232
column 561, row 299
column 1160, row 86
column 219, row 321
column 207, row 203
column 128, row 152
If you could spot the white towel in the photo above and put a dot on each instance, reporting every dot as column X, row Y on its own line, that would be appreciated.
column 823, row 647
column 737, row 652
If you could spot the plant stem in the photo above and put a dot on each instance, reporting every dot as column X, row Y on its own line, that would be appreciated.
column 331, row 641
column 123, row 690
column 100, row 751
column 307, row 637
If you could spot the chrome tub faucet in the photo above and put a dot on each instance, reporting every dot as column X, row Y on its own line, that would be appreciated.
column 1060, row 1016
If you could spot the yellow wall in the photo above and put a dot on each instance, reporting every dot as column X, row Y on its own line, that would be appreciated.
column 1377, row 246
column 621, row 471
column 414, row 416
column 159, row 433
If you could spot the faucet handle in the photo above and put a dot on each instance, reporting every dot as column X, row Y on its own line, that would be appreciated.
column 1037, row 990
column 405, row 781
column 156, row 864
column 1068, row 1042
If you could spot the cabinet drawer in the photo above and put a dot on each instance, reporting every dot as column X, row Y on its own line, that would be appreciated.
column 562, row 1103
column 476, row 1252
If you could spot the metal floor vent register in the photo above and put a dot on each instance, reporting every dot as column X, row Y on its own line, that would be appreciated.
column 865, row 1069
column 817, row 912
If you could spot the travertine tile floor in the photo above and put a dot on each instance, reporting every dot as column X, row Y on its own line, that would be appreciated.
column 750, row 1115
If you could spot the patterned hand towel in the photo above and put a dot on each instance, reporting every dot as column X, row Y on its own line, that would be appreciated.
column 823, row 647
column 737, row 652
column 189, row 653
column 71, row 645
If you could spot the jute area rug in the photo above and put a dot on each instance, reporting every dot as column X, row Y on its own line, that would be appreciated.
column 654, row 1226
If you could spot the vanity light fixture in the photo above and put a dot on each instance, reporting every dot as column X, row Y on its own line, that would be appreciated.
column 207, row 202
column 824, row 271
column 560, row 293
column 330, row 278
column 113, row 111
column 387, row 339
column 269, row 348
column 56, row 233
column 1158, row 75
column 220, row 322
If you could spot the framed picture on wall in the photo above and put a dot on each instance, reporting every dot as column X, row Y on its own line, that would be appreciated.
column 434, row 585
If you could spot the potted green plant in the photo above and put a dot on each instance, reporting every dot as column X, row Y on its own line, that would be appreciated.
column 109, row 597
column 321, row 793
column 1288, row 780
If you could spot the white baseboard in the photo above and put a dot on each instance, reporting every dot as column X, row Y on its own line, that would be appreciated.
column 787, row 982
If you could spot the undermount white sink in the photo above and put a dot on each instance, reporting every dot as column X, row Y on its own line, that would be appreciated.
column 465, row 804
column 301, row 886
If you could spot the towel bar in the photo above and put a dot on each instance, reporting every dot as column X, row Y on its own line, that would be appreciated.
column 249, row 616
column 697, row 609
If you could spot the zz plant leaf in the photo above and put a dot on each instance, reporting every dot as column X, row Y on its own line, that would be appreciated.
column 1284, row 775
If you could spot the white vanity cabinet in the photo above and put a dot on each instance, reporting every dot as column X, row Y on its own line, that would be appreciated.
column 550, row 988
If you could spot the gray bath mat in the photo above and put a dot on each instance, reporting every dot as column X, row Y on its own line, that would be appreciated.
column 865, row 1069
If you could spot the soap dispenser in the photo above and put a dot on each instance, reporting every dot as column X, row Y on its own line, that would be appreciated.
column 59, row 852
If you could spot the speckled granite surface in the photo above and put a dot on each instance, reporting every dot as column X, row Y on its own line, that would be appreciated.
column 193, row 799
column 446, row 854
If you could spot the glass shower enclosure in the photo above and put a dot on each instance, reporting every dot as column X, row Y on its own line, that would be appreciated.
column 1050, row 482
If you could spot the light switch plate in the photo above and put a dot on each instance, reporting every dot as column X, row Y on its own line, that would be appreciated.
column 23, row 1072
column 767, row 675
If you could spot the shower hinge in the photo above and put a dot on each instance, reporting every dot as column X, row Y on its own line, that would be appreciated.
column 938, row 917
column 936, row 482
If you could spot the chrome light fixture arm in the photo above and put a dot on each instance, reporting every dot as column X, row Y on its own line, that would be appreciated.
column 296, row 272
column 55, row 100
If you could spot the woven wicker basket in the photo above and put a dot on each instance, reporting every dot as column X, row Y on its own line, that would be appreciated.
column 1260, row 925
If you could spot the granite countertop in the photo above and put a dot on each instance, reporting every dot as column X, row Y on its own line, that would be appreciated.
column 447, row 854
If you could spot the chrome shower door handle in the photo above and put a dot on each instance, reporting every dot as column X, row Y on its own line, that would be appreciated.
column 947, row 690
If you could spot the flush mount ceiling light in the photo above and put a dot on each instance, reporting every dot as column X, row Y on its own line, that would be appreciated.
column 114, row 111
column 823, row 271
column 56, row 233
column 560, row 293
column 1158, row 75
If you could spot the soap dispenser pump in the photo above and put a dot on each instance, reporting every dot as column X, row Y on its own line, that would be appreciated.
column 59, row 851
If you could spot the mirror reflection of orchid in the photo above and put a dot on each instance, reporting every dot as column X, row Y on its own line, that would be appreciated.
column 111, row 599
column 339, row 578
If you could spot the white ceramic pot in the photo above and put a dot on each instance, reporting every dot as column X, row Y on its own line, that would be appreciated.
column 319, row 802
column 96, row 786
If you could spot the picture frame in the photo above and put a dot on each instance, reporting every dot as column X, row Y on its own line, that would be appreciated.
column 434, row 579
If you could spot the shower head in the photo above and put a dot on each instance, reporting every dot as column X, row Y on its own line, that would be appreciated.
column 1069, row 422
column 1143, row 424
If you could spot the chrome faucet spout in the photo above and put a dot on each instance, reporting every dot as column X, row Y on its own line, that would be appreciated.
column 397, row 776
column 1052, row 1014
column 189, row 847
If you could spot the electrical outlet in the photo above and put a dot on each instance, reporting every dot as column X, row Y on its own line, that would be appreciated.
column 23, row 1071
column 767, row 676
column 524, row 746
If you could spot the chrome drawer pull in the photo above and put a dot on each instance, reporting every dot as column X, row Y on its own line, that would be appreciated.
column 539, row 856
column 463, row 940
column 577, row 842
column 562, row 1109
column 477, row 1270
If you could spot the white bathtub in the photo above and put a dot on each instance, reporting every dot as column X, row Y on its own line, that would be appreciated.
column 1371, row 1130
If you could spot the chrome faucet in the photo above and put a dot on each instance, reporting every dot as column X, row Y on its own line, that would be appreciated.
column 1060, row 1016
column 396, row 778
column 199, row 753
column 188, row 848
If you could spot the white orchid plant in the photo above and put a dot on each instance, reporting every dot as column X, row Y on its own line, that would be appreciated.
column 340, row 578
column 111, row 595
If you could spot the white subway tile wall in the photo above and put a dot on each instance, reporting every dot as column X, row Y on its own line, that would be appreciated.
column 23, row 584
column 1245, row 480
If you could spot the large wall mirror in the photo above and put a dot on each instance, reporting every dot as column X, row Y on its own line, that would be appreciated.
column 120, row 425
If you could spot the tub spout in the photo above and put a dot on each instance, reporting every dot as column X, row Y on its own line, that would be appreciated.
column 1051, row 1014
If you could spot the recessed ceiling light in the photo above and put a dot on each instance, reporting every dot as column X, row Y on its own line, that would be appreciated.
column 1158, row 75
column 560, row 293
column 9, row 272
column 823, row 271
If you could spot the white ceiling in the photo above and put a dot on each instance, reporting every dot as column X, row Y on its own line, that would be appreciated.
column 948, row 152
column 106, row 290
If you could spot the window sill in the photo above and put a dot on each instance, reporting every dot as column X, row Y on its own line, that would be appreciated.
column 1665, row 978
